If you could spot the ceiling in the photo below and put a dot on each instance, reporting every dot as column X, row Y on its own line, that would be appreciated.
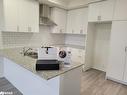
column 70, row 0
column 67, row 4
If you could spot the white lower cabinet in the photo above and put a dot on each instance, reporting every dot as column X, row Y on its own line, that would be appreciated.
column 125, row 72
column 117, row 66
column 77, row 55
column 1, row 66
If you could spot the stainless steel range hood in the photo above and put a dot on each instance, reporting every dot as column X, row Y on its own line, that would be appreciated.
column 45, row 15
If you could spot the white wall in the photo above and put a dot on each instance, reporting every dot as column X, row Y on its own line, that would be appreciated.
column 101, row 46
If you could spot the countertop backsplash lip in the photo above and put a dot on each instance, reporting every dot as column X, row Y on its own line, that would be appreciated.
column 28, row 63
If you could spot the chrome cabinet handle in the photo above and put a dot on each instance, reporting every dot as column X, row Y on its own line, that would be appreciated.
column 72, row 31
column 17, row 28
column 125, row 49
column 61, row 30
column 81, row 31
column 99, row 18
column 29, row 29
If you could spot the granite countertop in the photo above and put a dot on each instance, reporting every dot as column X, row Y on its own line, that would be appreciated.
column 29, row 63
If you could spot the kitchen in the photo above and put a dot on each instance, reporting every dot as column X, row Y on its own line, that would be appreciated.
column 91, row 31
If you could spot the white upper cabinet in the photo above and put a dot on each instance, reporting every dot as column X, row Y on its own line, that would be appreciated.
column 10, row 13
column 70, row 22
column 107, row 10
column 20, row 15
column 28, row 16
column 94, row 12
column 77, row 21
column 120, row 10
column 101, row 11
column 59, row 16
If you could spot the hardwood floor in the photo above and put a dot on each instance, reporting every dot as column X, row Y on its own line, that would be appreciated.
column 6, row 86
column 94, row 83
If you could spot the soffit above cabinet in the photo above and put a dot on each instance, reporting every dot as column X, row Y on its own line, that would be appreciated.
column 68, row 4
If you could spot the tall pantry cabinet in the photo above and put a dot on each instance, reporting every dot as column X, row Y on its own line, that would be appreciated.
column 118, row 45
column 117, row 66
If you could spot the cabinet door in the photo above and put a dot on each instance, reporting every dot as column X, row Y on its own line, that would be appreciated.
column 23, row 15
column 33, row 16
column 120, row 10
column 28, row 16
column 94, row 12
column 1, row 67
column 107, row 10
column 10, row 8
column 81, row 21
column 124, row 25
column 1, row 15
column 59, row 16
column 78, row 55
column 71, row 22
column 84, row 21
column 77, row 21
column 125, row 72
column 116, row 63
column 75, row 55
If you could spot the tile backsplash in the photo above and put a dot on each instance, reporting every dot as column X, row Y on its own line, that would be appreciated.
column 44, row 37
column 78, row 40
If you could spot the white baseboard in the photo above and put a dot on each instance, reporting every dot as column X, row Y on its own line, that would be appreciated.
column 98, row 69
column 115, row 80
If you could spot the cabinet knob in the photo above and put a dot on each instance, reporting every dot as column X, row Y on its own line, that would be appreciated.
column 125, row 49
column 29, row 29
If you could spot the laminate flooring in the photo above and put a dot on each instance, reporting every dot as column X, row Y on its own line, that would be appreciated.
column 94, row 83
column 6, row 86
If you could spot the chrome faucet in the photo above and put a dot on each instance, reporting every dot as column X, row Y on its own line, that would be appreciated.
column 25, row 51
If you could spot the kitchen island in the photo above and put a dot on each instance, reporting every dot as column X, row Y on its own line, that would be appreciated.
column 20, row 71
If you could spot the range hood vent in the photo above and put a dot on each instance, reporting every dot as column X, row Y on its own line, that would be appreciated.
column 45, row 15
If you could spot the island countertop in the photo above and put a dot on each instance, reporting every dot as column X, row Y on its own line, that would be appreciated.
column 29, row 63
